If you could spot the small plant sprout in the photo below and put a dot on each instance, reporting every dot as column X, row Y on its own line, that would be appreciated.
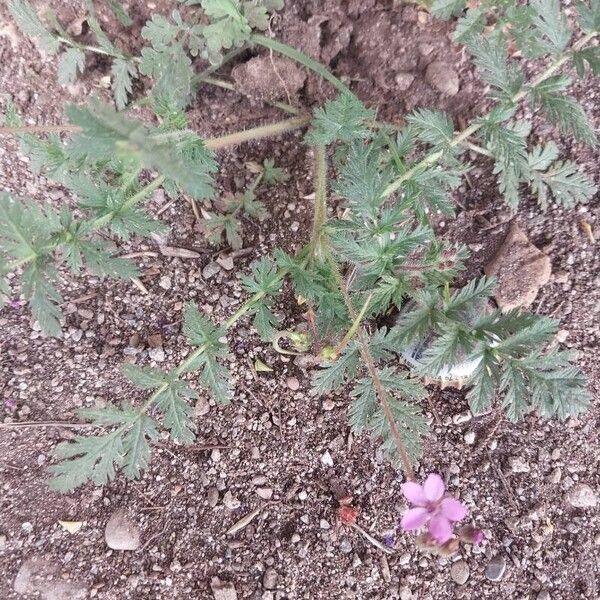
column 374, row 280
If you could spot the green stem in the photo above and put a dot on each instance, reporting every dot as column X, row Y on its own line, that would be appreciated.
column 363, row 346
column 300, row 58
column 354, row 327
column 469, row 131
column 320, row 208
column 257, row 133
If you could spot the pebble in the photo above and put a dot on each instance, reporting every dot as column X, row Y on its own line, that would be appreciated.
column 121, row 533
column 212, row 496
column 404, row 559
column 210, row 270
column 582, row 496
column 469, row 437
column 519, row 465
column 462, row 418
column 404, row 81
column 230, row 502
column 459, row 571
column 324, row 524
column 226, row 262
column 202, row 407
column 543, row 595
column 265, row 493
column 293, row 383
column 326, row 459
column 556, row 475
column 495, row 568
column 345, row 546
column 157, row 354
column 270, row 579
column 40, row 575
column 85, row 313
column 328, row 404
column 223, row 590
column 165, row 283
column 442, row 77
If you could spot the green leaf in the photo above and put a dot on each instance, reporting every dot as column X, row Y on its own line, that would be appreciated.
column 97, row 259
column 591, row 56
column 343, row 119
column 120, row 12
column 551, row 25
column 29, row 23
column 561, row 109
column 484, row 382
column 146, row 378
column 444, row 9
column 43, row 297
column 564, row 180
column 228, row 27
column 177, row 411
column 433, row 126
column 202, row 333
column 273, row 174
column 71, row 61
column 332, row 375
column 589, row 16
column 123, row 72
column 470, row 25
column 107, row 133
column 265, row 277
column 497, row 70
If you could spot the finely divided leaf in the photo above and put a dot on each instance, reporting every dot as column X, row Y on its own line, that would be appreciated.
column 29, row 23
column 123, row 72
column 71, row 61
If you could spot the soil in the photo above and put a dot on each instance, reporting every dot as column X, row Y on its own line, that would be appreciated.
column 514, row 477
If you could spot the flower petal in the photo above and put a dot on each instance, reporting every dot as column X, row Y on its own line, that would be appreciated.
column 440, row 529
column 434, row 487
column 453, row 510
column 413, row 492
column 414, row 519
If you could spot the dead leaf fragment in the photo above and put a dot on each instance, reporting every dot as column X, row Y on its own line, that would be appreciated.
column 261, row 367
column 71, row 526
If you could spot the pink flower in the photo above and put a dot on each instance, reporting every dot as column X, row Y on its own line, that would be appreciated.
column 431, row 508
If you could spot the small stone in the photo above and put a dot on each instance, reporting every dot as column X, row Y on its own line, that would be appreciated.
column 222, row 590
column 226, row 262
column 85, row 314
column 302, row 495
column 230, row 502
column 442, row 77
column 556, row 475
column 519, row 465
column 265, row 493
column 202, row 407
column 384, row 567
column 270, row 579
column 469, row 438
column 404, row 81
column 157, row 354
column 582, row 496
column 40, row 575
column 461, row 418
column 121, row 533
column 324, row 524
column 459, row 571
column 495, row 568
column 212, row 496
column 326, row 459
column 543, row 595
column 210, row 270
column 404, row 559
column 155, row 340
column 405, row 592
column 77, row 335
column 328, row 404
column 165, row 283
column 293, row 383
column 520, row 270
column 345, row 546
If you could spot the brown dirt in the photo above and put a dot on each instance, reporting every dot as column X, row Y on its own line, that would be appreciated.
column 270, row 430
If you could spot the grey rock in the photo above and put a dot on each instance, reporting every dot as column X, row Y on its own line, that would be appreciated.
column 210, row 270
column 442, row 77
column 212, row 496
column 222, row 590
column 582, row 496
column 156, row 354
column 345, row 546
column 543, row 595
column 38, row 575
column 270, row 578
column 495, row 568
column 519, row 465
column 121, row 532
column 404, row 81
column 459, row 571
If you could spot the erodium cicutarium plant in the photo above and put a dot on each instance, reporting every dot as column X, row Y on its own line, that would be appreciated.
column 378, row 255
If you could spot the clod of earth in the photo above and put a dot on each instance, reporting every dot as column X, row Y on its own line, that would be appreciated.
column 223, row 590
column 442, row 77
column 38, row 575
column 520, row 269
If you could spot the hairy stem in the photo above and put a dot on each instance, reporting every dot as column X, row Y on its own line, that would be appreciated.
column 462, row 137
column 363, row 347
column 354, row 327
column 320, row 207
column 300, row 58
